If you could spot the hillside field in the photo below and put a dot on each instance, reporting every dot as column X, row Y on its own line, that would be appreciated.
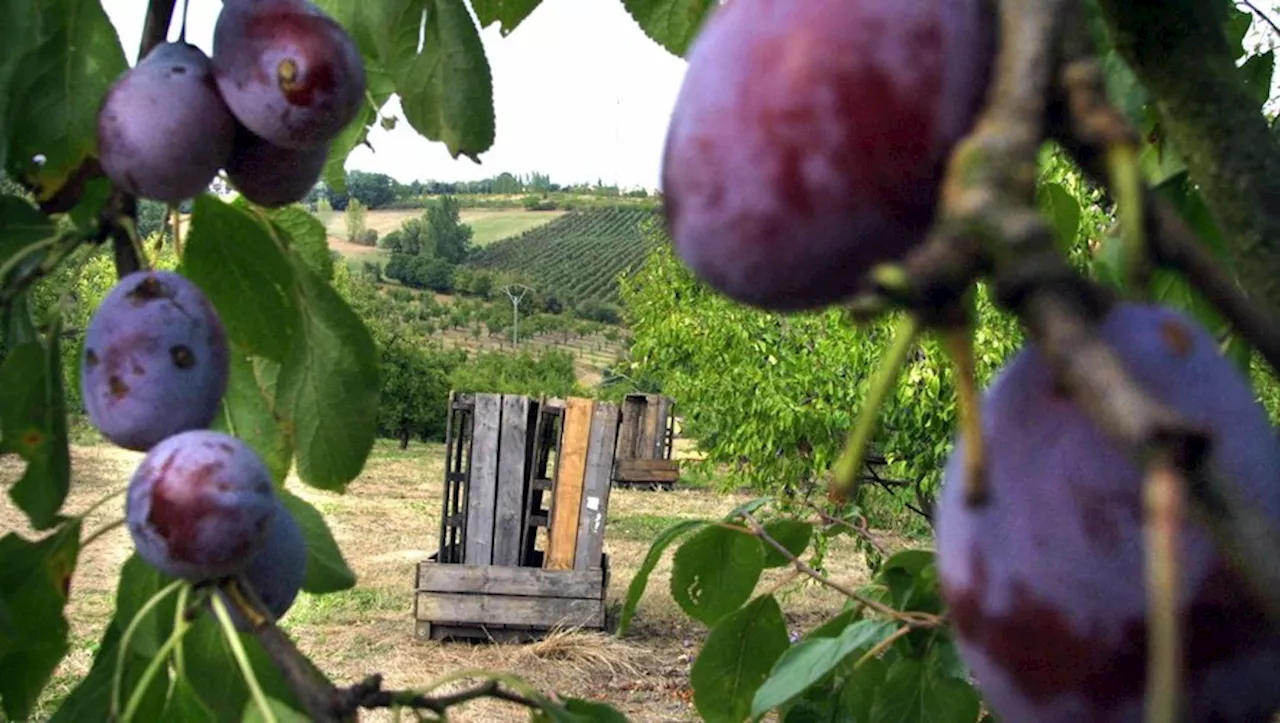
column 488, row 224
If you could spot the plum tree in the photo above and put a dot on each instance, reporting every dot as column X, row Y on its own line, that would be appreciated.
column 276, row 573
column 270, row 175
column 200, row 505
column 808, row 140
column 155, row 360
column 163, row 128
column 1045, row 583
column 289, row 72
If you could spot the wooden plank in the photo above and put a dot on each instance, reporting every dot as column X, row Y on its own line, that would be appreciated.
column 495, row 580
column 647, row 464
column 446, row 520
column 648, row 475
column 481, row 632
column 595, row 486
column 509, row 500
column 483, row 487
column 566, row 498
column 441, row 607
column 632, row 414
column 661, row 410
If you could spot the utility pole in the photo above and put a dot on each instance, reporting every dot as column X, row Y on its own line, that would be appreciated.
column 511, row 291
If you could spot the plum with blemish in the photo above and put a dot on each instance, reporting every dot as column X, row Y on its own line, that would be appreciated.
column 809, row 139
column 163, row 128
column 288, row 72
column 1045, row 583
column 277, row 572
column 272, row 176
column 155, row 360
column 201, row 506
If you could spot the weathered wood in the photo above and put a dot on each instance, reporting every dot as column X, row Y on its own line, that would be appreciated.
column 482, row 488
column 545, row 457
column 646, row 470
column 595, row 486
column 647, row 464
column 632, row 414
column 652, row 430
column 567, row 495
column 481, row 632
column 448, row 519
column 660, row 409
column 509, row 498
column 517, row 581
column 443, row 607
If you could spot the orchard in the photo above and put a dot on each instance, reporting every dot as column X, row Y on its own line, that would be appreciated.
column 1025, row 252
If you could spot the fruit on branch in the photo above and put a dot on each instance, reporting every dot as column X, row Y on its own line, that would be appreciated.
column 289, row 72
column 270, row 175
column 163, row 129
column 276, row 573
column 1045, row 584
column 200, row 505
column 155, row 360
column 809, row 139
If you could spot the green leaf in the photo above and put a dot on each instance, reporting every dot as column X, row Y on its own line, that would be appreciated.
column 1236, row 25
column 715, row 571
column 21, row 225
column 91, row 698
column 673, row 24
column 380, row 87
column 329, row 386
column 913, row 692
column 810, row 661
column 34, row 582
column 736, row 659
column 1123, row 87
column 858, row 694
column 18, row 32
column 215, row 676
column 1257, row 74
column 792, row 534
column 1061, row 210
column 184, row 705
column 306, row 236
column 139, row 582
column 327, row 571
column 248, row 412
column 912, row 579
column 636, row 589
column 33, row 425
column 446, row 90
column 55, row 89
column 233, row 259
column 281, row 712
column 510, row 13
column 576, row 710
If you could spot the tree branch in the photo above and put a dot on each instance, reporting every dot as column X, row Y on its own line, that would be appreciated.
column 1178, row 51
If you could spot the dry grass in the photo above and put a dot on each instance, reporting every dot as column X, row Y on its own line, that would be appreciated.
column 388, row 521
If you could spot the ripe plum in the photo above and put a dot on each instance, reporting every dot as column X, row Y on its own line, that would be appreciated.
column 270, row 175
column 155, row 360
column 809, row 139
column 163, row 128
column 201, row 505
column 290, row 73
column 276, row 573
column 1045, row 583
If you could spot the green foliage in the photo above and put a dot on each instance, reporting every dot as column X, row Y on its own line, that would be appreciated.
column 550, row 374
column 356, row 217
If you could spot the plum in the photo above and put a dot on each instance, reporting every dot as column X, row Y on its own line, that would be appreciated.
column 155, row 360
column 289, row 72
column 270, row 175
column 200, row 505
column 809, row 139
column 1045, row 583
column 163, row 128
column 276, row 573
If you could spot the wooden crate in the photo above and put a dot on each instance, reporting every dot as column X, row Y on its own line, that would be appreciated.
column 506, row 604
column 643, row 455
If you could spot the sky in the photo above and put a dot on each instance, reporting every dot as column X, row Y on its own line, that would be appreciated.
column 580, row 94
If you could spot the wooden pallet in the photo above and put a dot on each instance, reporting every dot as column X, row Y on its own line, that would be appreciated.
column 506, row 604
column 643, row 454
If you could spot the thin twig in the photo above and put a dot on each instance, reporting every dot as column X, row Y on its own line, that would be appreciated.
column 1265, row 18
column 915, row 619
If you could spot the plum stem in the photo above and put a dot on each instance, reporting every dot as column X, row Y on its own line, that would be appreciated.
column 170, row 645
column 93, row 536
column 1122, row 162
column 959, row 345
column 845, row 473
column 242, row 659
column 1164, row 503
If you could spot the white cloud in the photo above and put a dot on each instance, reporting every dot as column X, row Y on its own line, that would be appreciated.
column 580, row 94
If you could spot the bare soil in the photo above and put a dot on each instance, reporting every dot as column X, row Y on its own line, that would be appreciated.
column 385, row 523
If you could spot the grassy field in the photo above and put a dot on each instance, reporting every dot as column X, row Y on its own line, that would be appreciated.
column 488, row 225
column 386, row 522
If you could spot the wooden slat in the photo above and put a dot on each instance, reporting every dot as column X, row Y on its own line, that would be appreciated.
column 662, row 408
column 632, row 414
column 567, row 496
column 509, row 499
column 513, row 581
column 595, row 487
column 443, row 607
column 482, row 489
column 648, row 464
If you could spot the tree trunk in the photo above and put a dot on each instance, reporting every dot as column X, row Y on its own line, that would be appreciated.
column 404, row 435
